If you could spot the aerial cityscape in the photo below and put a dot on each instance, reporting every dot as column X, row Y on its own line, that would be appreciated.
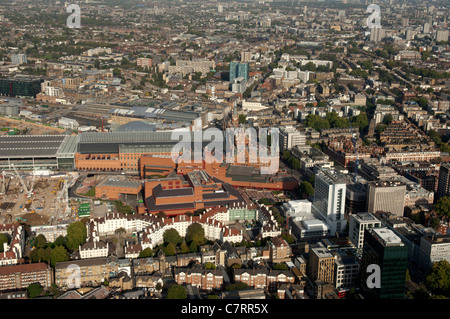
column 224, row 149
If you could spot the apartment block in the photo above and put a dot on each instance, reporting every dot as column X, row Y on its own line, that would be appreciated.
column 20, row 276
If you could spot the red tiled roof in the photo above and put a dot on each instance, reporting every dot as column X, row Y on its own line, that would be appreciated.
column 12, row 269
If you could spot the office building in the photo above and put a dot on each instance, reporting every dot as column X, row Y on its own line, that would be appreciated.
column 329, row 200
column 358, row 224
column 239, row 70
column 290, row 137
column 239, row 85
column 385, row 249
column 434, row 249
column 20, row 87
column 386, row 196
column 346, row 270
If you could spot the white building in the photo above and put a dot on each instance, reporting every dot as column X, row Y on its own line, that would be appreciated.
column 18, row 58
column 358, row 223
column 68, row 123
column 434, row 249
column 329, row 200
column 290, row 137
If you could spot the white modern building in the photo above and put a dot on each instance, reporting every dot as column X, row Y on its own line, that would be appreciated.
column 290, row 137
column 329, row 200
column 358, row 223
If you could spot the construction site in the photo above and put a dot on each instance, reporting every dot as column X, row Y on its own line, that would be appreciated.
column 36, row 197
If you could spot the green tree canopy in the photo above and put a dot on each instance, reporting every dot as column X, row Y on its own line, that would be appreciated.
column 195, row 233
column 306, row 188
column 184, row 248
column 176, row 292
column 60, row 241
column 34, row 290
column 76, row 235
column 171, row 236
column 147, row 252
column 316, row 122
column 40, row 241
column 3, row 239
column 58, row 254
column 442, row 206
column 169, row 250
column 439, row 278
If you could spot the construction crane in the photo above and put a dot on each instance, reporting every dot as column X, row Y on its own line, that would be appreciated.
column 28, row 189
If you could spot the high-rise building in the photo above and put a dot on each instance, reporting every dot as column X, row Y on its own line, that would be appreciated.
column 386, row 196
column 246, row 56
column 441, row 35
column 239, row 69
column 329, row 200
column 387, row 251
column 358, row 223
column 376, row 34
column 444, row 181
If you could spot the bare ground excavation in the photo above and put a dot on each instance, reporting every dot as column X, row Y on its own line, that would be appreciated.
column 38, row 209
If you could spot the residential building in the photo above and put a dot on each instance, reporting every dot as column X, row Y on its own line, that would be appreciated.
column 21, row 276
column 321, row 265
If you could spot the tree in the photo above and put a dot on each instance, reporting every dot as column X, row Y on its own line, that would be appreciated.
column 387, row 119
column 210, row 265
column 242, row 118
column 195, row 233
column 439, row 278
column 442, row 206
column 176, row 292
column 147, row 252
column 280, row 266
column 40, row 241
column 76, row 235
column 184, row 248
column 3, row 239
column 60, row 241
column 316, row 122
column 58, row 254
column 172, row 236
column 193, row 247
column 306, row 188
column 169, row 250
column 34, row 290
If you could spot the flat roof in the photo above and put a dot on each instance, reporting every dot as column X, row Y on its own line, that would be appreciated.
column 32, row 145
column 387, row 236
